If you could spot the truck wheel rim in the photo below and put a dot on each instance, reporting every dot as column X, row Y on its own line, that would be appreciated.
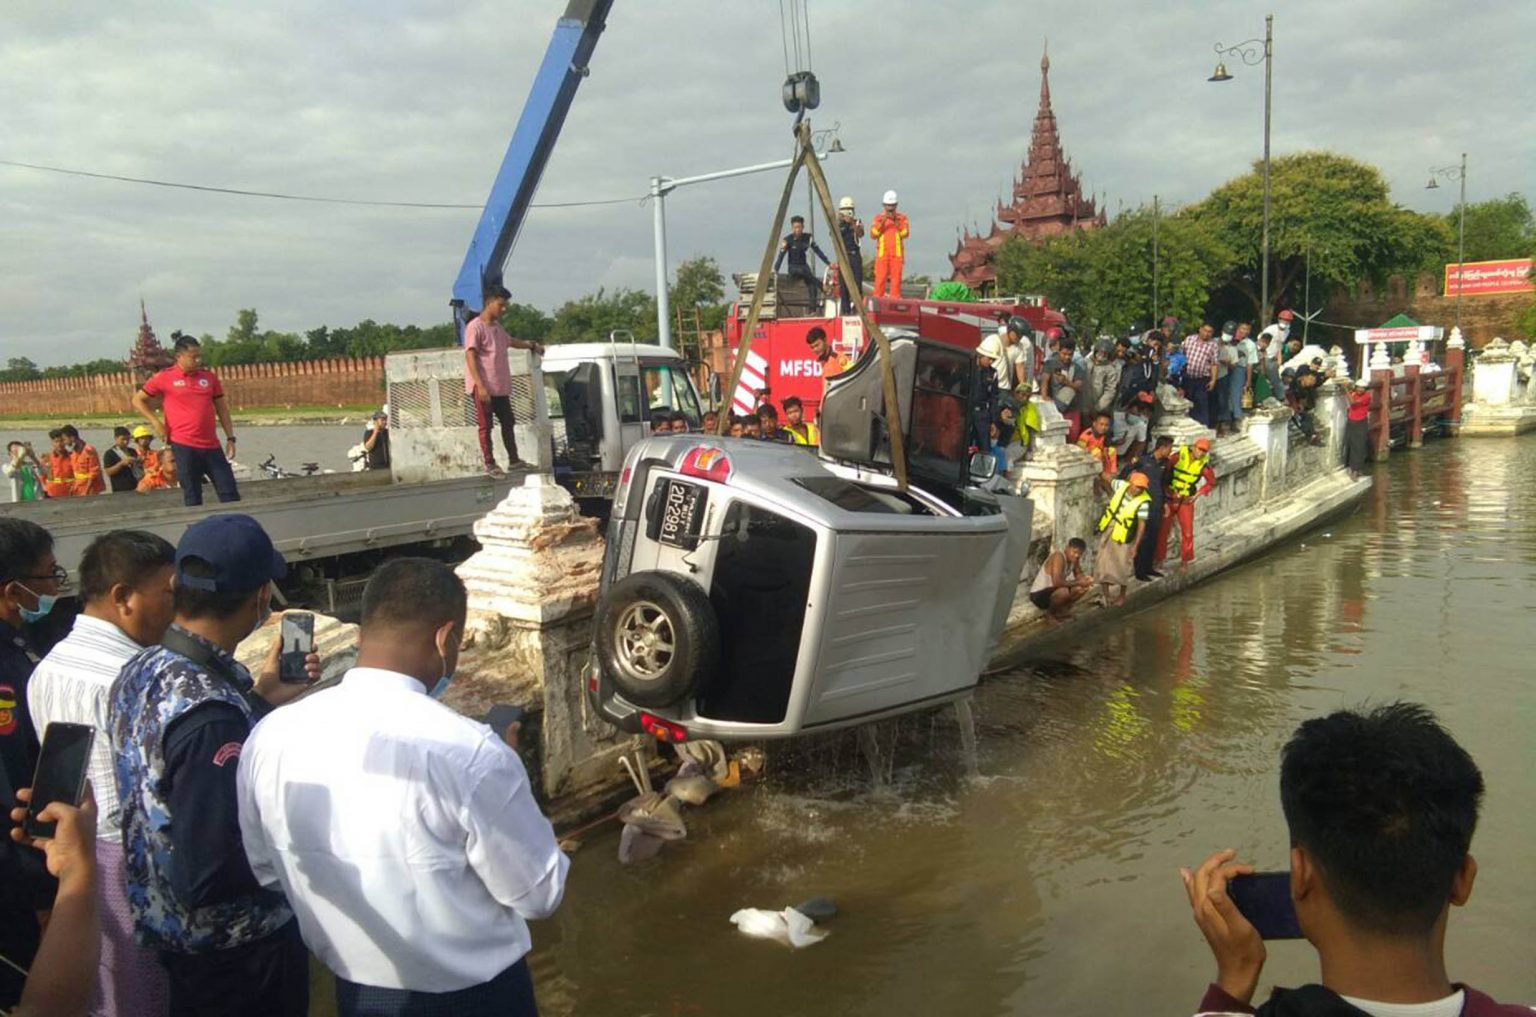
column 646, row 641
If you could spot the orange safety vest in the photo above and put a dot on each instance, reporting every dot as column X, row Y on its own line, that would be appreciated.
column 1100, row 449
column 835, row 364
column 891, row 230
column 61, row 475
column 154, row 477
column 86, row 465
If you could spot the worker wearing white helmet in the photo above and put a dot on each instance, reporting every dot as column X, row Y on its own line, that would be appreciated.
column 889, row 230
column 852, row 229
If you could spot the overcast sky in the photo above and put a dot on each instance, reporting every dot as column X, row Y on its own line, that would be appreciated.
column 416, row 101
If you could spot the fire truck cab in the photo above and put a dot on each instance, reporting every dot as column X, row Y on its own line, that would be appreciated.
column 780, row 361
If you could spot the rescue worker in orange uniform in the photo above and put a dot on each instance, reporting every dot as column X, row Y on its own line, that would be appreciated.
column 159, row 471
column 60, row 482
column 85, row 463
column 1189, row 467
column 890, row 230
column 832, row 362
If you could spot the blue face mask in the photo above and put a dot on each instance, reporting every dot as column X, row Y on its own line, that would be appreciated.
column 443, row 682
column 45, row 602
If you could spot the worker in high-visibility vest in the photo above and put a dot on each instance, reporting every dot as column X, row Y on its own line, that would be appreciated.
column 800, row 430
column 890, row 230
column 60, row 482
column 85, row 463
column 1190, row 467
column 1122, row 528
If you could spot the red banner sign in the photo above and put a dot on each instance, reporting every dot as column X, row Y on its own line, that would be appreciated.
column 1486, row 278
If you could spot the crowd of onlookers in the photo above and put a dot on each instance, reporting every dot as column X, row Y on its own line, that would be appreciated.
column 72, row 467
column 236, row 821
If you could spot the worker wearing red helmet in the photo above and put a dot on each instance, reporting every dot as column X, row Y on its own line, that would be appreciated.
column 1190, row 466
column 890, row 230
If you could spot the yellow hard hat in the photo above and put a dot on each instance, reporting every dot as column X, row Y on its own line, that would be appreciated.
column 143, row 432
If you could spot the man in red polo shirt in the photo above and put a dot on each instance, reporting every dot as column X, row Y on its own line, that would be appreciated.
column 191, row 397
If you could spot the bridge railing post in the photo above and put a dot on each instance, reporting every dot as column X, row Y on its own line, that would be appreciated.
column 1381, row 410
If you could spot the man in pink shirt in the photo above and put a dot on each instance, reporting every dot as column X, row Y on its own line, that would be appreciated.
column 488, row 375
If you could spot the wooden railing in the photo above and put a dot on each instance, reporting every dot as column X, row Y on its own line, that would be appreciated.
column 1414, row 398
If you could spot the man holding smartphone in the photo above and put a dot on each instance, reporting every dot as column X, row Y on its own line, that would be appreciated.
column 179, row 715
column 1381, row 806
column 426, row 917
column 30, row 582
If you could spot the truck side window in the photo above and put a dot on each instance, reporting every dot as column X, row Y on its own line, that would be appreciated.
column 629, row 399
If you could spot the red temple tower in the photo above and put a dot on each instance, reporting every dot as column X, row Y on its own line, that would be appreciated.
column 1047, row 199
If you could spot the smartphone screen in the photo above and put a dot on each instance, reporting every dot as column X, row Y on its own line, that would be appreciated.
column 1264, row 898
column 298, row 636
column 60, row 775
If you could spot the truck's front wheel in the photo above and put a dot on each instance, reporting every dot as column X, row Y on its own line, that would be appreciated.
column 657, row 637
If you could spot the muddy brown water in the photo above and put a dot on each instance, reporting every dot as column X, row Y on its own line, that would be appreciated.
column 1049, row 885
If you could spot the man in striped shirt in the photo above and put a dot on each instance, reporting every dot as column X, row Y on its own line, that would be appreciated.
column 125, row 590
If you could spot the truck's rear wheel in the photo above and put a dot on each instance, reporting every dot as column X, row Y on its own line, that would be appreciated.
column 657, row 637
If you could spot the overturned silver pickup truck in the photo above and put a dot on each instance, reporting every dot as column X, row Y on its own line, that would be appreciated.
column 756, row 590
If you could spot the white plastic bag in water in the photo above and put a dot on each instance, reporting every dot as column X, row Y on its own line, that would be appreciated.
column 787, row 926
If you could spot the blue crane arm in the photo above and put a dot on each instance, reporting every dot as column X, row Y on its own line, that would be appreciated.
column 554, row 88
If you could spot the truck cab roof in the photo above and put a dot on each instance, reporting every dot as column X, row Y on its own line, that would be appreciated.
column 609, row 350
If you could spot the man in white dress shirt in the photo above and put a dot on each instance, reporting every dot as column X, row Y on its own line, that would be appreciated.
column 125, row 589
column 404, row 835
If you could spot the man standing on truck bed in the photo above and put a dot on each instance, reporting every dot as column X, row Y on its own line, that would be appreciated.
column 799, row 246
column 488, row 375
column 890, row 230
column 191, row 397
column 852, row 229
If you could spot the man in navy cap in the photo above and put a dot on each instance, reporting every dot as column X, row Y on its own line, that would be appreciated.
column 179, row 715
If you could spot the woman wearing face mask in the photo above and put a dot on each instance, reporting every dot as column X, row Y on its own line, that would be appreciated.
column 30, row 580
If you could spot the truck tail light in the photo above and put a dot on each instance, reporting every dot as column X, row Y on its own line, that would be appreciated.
column 662, row 730
column 707, row 463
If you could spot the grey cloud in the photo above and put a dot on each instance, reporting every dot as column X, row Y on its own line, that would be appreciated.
column 417, row 101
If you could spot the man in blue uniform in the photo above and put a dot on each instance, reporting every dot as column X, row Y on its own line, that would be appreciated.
column 180, row 713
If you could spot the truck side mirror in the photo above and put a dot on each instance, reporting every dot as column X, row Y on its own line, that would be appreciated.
column 983, row 467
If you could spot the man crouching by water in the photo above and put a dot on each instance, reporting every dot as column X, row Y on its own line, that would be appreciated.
column 404, row 834
column 1381, row 808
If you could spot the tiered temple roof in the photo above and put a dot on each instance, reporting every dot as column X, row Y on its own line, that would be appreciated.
column 1047, row 199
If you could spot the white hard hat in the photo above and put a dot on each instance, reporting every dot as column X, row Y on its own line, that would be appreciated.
column 889, row 199
column 845, row 204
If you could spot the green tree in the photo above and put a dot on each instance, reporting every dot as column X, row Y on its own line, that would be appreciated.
column 1499, row 228
column 700, row 287
column 1324, row 205
column 20, row 369
column 524, row 321
column 592, row 317
column 1103, row 277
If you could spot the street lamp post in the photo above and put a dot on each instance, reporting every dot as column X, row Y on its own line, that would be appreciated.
column 1251, row 52
column 663, row 186
column 1456, row 173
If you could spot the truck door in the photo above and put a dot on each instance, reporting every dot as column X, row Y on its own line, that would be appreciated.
column 624, row 409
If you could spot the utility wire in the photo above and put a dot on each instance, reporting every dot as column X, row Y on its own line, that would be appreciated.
column 296, row 197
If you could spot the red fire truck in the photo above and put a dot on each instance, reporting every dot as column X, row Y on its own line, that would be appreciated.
column 780, row 361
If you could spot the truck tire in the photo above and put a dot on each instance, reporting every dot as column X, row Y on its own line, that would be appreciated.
column 657, row 637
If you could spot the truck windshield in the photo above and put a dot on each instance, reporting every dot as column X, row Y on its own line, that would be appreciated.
column 668, row 387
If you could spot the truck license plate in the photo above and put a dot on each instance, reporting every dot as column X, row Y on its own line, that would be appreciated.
column 681, row 512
